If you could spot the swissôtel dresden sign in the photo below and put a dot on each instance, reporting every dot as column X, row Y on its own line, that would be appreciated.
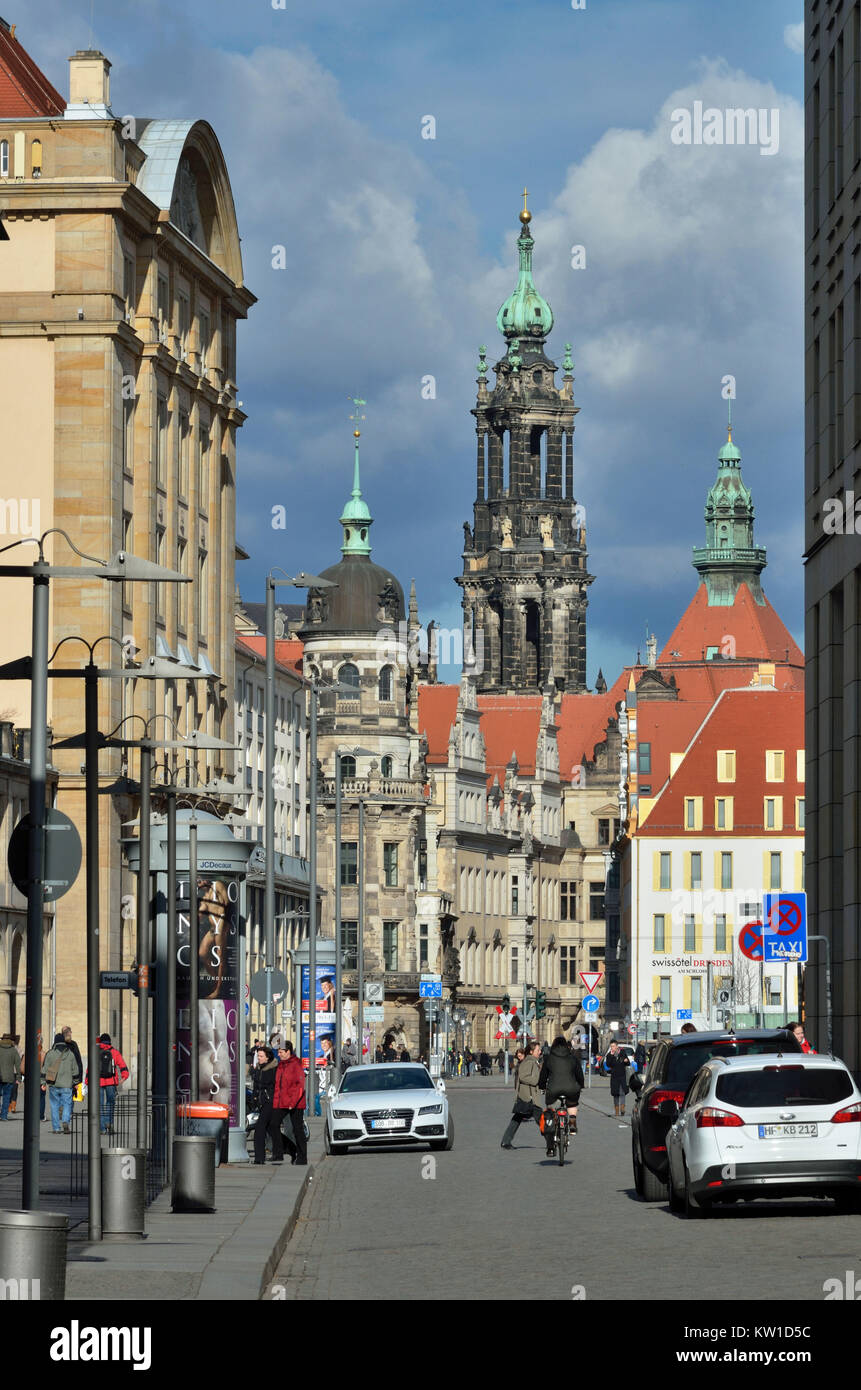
column 692, row 965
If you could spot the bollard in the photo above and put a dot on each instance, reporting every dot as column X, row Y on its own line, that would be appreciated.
column 123, row 1193
column 33, row 1255
column 193, row 1186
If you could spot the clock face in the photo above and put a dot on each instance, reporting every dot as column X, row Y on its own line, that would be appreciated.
column 185, row 208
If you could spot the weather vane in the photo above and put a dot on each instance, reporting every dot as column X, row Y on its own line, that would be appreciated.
column 357, row 416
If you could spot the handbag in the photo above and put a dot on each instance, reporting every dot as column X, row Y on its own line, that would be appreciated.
column 523, row 1108
column 51, row 1074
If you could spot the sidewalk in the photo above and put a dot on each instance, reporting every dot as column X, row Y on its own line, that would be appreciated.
column 229, row 1253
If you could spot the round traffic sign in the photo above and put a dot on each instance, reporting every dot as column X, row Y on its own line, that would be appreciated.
column 277, row 986
column 788, row 915
column 62, row 855
column 750, row 940
column 590, row 1003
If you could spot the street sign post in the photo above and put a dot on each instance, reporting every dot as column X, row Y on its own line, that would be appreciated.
column 62, row 861
column 784, row 928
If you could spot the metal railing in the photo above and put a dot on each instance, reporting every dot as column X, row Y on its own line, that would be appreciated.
column 123, row 1135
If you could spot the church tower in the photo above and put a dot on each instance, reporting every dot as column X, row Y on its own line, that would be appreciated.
column 524, row 575
column 729, row 557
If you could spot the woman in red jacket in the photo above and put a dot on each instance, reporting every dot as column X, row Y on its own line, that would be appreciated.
column 289, row 1099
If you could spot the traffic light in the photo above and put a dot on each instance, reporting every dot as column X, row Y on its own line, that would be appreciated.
column 540, row 1003
column 506, row 1003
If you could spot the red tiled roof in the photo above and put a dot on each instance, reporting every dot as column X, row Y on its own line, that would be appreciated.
column 24, row 88
column 749, row 721
column 288, row 653
column 756, row 631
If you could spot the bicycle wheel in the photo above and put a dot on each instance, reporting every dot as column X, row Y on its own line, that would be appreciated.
column 561, row 1139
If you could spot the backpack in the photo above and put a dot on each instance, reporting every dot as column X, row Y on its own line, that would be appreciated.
column 108, row 1067
column 547, row 1123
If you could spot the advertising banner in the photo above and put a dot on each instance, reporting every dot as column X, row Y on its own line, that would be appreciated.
column 324, row 1014
column 216, row 958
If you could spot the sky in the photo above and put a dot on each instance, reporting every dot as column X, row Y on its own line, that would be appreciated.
column 399, row 250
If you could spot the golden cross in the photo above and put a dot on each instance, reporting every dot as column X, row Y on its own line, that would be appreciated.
column 356, row 416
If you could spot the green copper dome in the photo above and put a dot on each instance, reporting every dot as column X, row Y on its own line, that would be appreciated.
column 730, row 556
column 356, row 517
column 525, row 313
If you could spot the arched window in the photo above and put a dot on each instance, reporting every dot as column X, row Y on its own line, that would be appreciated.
column 386, row 685
column 386, row 767
column 348, row 766
column 348, row 676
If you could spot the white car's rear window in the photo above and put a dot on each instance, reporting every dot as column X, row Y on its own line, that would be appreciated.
column 777, row 1086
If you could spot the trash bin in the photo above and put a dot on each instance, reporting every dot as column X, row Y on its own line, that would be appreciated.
column 193, row 1185
column 33, row 1255
column 209, row 1120
column 123, row 1193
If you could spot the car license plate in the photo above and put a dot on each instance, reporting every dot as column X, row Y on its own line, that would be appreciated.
column 388, row 1124
column 789, row 1131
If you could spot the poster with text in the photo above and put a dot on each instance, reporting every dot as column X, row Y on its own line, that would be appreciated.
column 324, row 1015
column 217, row 962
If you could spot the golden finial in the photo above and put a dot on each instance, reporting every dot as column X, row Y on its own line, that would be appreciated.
column 525, row 215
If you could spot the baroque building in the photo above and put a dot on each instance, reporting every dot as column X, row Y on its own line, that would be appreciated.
column 524, row 575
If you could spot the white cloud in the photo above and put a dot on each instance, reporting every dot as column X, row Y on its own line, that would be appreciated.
column 793, row 37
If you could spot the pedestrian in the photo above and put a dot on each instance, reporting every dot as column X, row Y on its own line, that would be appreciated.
column 405, row 1056
column 289, row 1101
column 526, row 1093
column 40, row 1052
column 112, row 1073
column 640, row 1056
column 378, row 1052
column 688, row 1028
column 797, row 1031
column 59, row 1075
column 348, row 1055
column 10, row 1072
column 500, row 1060
column 561, row 1075
column 389, row 1054
column 76, row 1053
column 615, row 1064
column 262, row 1100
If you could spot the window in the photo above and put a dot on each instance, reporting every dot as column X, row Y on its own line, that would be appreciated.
column 723, row 813
column 390, row 865
column 659, row 941
column 349, row 676
column 799, row 765
column 423, row 944
column 613, row 931
column 693, row 813
column 129, row 287
column 774, row 765
column 799, row 813
column 726, row 765
column 184, row 436
column 514, row 978
column 350, row 944
column 696, row 996
column 596, row 902
column 349, row 863
column 386, row 766
column 690, row 933
column 161, row 442
column 163, row 308
column 390, row 945
column 665, row 881
column 184, row 323
column 567, row 902
column 348, row 766
column 664, row 993
column 720, row 933
column 726, row 871
column 181, row 589
column 203, row 466
column 774, row 871
column 751, row 910
column 603, row 832
column 644, row 755
column 385, row 690
column 773, row 991
column 128, row 436
column 696, row 871
column 128, row 544
column 515, row 899
column 160, row 560
column 567, row 962
column 4, row 159
column 202, row 594
column 597, row 956
column 205, row 337
column 614, row 988
column 773, row 812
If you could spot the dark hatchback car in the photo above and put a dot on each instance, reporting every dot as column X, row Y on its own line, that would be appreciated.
column 672, row 1067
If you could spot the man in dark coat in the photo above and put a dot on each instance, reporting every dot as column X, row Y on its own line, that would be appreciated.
column 562, row 1075
column 616, row 1065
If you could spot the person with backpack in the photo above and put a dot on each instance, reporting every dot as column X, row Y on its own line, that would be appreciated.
column 112, row 1072
column 60, row 1074
column 561, row 1075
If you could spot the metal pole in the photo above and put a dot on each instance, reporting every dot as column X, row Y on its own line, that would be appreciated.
column 829, row 1034
column 269, row 800
column 144, row 950
column 170, row 982
column 193, row 963
column 35, row 884
column 339, row 1001
column 360, row 926
column 312, row 913
column 94, row 1095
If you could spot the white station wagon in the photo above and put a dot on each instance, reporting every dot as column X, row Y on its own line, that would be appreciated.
column 782, row 1126
column 387, row 1102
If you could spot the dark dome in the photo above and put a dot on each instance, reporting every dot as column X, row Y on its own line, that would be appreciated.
column 367, row 598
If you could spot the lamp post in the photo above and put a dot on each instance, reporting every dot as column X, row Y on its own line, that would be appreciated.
column 637, row 1016
column 658, row 1005
column 124, row 568
column 646, row 1011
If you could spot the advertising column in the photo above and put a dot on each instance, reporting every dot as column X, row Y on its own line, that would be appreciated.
column 215, row 956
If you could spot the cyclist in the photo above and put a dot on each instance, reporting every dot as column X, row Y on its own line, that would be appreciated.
column 561, row 1075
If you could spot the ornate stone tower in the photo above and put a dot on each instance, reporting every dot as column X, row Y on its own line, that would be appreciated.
column 524, row 575
column 729, row 557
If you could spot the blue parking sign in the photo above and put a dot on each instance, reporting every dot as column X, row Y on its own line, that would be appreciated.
column 784, row 928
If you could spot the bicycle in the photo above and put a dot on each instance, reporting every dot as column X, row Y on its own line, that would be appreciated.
column 563, row 1129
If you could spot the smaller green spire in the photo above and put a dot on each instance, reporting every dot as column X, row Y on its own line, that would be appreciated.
column 482, row 364
column 567, row 362
column 356, row 518
column 514, row 355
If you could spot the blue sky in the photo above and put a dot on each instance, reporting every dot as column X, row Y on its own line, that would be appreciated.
column 400, row 250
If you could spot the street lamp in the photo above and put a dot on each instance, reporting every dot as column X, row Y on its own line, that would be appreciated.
column 658, row 1006
column 637, row 1016
column 646, row 1010
column 124, row 568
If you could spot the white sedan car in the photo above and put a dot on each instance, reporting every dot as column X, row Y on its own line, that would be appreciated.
column 386, row 1102
column 781, row 1126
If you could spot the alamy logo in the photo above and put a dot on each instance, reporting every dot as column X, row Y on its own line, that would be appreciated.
column 77, row 1343
column 849, row 1289
column 20, row 1290
column 734, row 126
column 19, row 516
